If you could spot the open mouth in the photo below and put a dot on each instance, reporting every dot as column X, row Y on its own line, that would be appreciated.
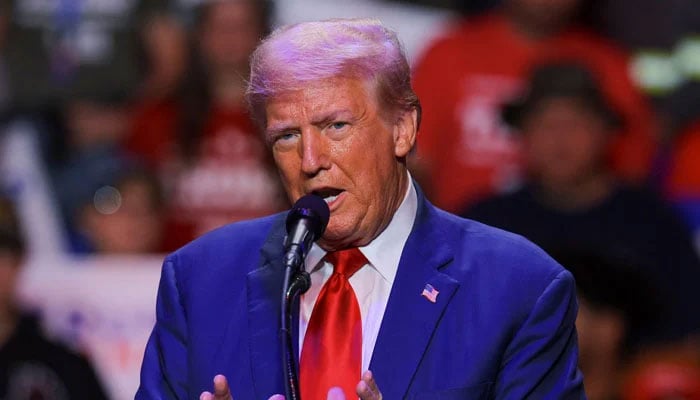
column 329, row 194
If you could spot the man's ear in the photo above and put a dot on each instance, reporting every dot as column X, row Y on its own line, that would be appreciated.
column 405, row 131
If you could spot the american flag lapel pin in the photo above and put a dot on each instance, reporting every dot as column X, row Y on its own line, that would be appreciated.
column 430, row 293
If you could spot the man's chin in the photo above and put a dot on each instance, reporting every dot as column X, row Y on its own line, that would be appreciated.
column 331, row 243
column 336, row 239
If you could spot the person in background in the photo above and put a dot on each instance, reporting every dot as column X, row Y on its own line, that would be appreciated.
column 616, row 303
column 54, row 43
column 681, row 182
column 571, row 197
column 123, row 215
column 665, row 375
column 465, row 152
column 213, row 163
column 662, row 38
column 32, row 366
column 164, row 54
column 95, row 121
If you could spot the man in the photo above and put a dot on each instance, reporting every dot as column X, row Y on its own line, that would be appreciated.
column 31, row 365
column 122, row 214
column 466, row 152
column 441, row 307
column 200, row 138
column 571, row 199
column 616, row 300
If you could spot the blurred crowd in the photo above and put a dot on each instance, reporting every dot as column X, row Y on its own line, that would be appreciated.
column 576, row 123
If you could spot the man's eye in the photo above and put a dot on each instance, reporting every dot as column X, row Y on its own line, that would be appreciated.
column 284, row 140
column 285, row 137
column 339, row 125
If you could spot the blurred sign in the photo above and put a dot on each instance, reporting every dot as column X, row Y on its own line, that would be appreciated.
column 103, row 307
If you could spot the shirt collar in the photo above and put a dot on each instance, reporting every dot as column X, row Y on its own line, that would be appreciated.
column 384, row 252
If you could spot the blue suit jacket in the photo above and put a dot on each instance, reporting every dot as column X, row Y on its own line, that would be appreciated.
column 502, row 326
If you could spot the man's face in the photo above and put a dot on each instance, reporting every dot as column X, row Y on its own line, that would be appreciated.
column 333, row 139
column 230, row 33
column 124, row 221
column 564, row 142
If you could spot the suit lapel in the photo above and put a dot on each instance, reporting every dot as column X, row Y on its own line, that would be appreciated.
column 264, row 294
column 410, row 318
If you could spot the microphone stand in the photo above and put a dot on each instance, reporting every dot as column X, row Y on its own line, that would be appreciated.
column 305, row 222
column 296, row 282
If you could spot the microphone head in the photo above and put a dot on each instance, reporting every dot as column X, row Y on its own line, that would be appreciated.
column 313, row 208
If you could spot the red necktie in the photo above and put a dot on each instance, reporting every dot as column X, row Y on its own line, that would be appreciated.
column 332, row 351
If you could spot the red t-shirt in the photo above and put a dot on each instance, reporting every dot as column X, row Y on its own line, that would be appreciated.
column 231, row 177
column 465, row 77
column 683, row 179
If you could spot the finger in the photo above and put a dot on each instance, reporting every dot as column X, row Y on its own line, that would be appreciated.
column 368, row 377
column 276, row 397
column 367, row 388
column 206, row 396
column 366, row 393
column 336, row 393
column 221, row 390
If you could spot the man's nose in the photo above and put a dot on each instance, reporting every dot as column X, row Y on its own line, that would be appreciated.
column 314, row 152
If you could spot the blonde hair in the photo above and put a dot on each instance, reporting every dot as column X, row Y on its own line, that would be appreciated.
column 296, row 54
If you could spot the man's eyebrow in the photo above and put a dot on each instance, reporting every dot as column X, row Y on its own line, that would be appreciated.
column 284, row 126
column 279, row 128
column 332, row 116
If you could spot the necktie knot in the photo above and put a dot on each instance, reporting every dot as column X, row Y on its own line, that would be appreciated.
column 346, row 262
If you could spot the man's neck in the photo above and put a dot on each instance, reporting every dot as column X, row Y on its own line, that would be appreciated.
column 579, row 195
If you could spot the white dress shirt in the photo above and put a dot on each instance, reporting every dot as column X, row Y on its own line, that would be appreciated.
column 371, row 283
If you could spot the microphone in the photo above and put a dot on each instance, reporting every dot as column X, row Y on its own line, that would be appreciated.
column 306, row 222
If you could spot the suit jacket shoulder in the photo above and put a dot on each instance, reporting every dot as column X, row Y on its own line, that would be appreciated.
column 212, row 301
column 501, row 326
column 500, row 259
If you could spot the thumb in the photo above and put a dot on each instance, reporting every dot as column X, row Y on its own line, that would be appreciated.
column 336, row 393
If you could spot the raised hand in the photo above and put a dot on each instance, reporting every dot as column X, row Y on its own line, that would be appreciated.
column 366, row 389
column 221, row 390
